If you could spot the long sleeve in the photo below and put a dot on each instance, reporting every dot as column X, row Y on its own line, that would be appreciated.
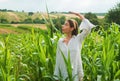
column 80, row 67
column 86, row 27
column 57, row 65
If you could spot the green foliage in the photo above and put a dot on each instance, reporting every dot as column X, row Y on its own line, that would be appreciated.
column 113, row 15
column 58, row 22
column 28, row 57
column 5, row 10
column 92, row 17
column 40, row 21
column 30, row 13
column 5, row 25
column 4, row 21
column 26, row 28
column 28, row 20
column 78, row 20
column 101, row 61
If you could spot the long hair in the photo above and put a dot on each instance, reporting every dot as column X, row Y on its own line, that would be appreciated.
column 73, row 24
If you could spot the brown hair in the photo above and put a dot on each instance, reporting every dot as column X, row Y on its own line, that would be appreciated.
column 73, row 24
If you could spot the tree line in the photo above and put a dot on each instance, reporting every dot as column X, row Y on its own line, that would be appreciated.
column 113, row 15
column 5, row 10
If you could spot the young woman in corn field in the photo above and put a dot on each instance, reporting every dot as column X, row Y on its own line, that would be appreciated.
column 72, row 44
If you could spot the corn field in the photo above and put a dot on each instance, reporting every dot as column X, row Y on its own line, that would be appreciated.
column 31, row 56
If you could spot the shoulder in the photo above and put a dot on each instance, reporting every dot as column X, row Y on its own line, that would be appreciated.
column 60, row 40
column 59, row 43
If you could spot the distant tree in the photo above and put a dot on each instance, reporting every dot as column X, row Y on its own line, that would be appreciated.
column 92, row 17
column 62, row 19
column 40, row 21
column 28, row 20
column 36, row 20
column 113, row 15
column 30, row 13
column 3, row 10
column 14, row 22
column 10, row 10
column 59, row 21
column 5, row 21
column 78, row 20
column 53, row 12
column 23, row 11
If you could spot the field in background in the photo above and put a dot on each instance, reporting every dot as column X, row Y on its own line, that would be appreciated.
column 21, row 16
column 19, row 28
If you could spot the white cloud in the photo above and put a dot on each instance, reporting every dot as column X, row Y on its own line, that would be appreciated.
column 81, row 5
column 59, row 5
column 3, row 0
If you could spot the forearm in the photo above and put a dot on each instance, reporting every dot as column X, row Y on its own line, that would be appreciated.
column 78, row 14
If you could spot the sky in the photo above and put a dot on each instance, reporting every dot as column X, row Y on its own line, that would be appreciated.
column 96, row 6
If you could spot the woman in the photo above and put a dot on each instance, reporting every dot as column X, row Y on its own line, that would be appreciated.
column 72, row 44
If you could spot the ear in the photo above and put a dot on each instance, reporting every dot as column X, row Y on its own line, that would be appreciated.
column 72, row 28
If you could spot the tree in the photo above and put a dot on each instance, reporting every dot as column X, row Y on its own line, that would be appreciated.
column 92, row 17
column 59, row 21
column 3, row 10
column 40, row 21
column 113, row 15
column 28, row 20
column 5, row 21
column 62, row 19
column 78, row 20
column 30, row 13
column 36, row 20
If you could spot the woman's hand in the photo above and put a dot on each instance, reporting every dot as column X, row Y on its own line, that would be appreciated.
column 74, row 13
column 77, row 14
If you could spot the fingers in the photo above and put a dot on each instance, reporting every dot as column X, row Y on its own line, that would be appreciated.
column 72, row 12
column 77, row 14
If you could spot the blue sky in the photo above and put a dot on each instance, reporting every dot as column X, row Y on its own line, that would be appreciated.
column 59, row 5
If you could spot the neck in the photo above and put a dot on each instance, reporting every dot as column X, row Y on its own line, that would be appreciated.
column 68, row 36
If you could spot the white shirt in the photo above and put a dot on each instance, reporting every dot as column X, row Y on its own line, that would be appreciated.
column 74, row 49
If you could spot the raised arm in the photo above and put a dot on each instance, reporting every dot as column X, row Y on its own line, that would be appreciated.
column 85, row 25
column 78, row 14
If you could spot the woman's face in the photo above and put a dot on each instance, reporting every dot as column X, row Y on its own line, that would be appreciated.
column 66, row 29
